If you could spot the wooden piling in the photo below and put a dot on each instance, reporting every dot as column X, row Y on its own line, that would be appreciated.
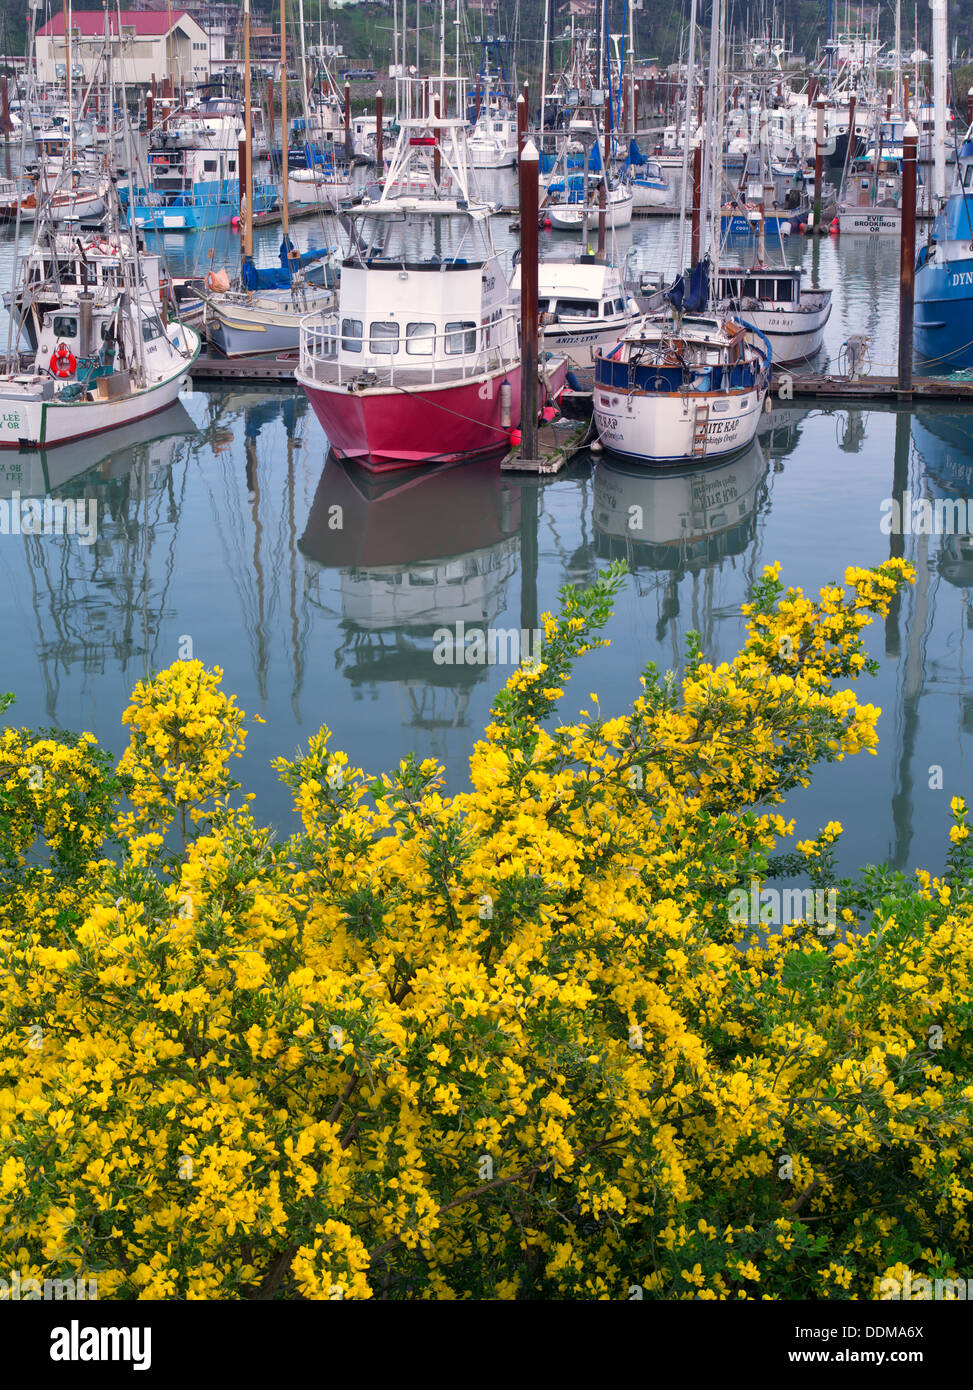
column 379, row 150
column 818, row 162
column 907, row 256
column 528, row 171
column 149, row 112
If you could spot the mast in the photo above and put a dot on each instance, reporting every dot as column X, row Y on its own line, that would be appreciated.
column 897, row 77
column 938, row 8
column 690, row 79
column 711, row 155
column 284, row 192
column 547, row 25
column 68, row 83
column 247, row 138
column 631, row 69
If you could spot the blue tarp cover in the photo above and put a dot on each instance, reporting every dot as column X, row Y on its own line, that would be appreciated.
column 279, row 277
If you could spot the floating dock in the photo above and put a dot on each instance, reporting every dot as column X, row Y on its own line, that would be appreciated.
column 557, row 442
column 244, row 369
column 871, row 388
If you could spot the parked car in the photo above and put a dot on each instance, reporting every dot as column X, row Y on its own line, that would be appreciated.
column 358, row 75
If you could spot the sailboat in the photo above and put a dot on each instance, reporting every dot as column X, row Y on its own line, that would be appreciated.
column 264, row 314
column 686, row 383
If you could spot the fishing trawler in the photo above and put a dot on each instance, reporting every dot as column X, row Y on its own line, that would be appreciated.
column 583, row 306
column 773, row 300
column 421, row 361
column 871, row 202
column 104, row 356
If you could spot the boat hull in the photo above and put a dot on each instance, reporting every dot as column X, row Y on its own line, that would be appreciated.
column 943, row 324
column 794, row 335
column 385, row 428
column 568, row 217
column 579, row 344
column 657, row 430
column 45, row 424
column 865, row 222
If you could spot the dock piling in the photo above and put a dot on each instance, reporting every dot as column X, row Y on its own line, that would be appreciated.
column 907, row 256
column 528, row 171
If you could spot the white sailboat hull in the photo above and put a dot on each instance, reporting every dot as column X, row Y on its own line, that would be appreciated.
column 568, row 217
column 656, row 428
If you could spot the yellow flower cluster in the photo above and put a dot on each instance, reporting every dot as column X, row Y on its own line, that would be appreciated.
column 506, row 1044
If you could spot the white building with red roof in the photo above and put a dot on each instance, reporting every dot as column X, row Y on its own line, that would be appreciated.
column 152, row 43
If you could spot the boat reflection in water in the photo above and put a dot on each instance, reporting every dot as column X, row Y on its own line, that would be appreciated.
column 943, row 440
column 684, row 519
column 415, row 553
column 38, row 472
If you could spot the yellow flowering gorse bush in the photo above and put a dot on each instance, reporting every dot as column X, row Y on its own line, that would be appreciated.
column 506, row 1044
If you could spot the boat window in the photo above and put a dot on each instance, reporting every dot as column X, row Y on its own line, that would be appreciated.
column 419, row 339
column 968, row 176
column 460, row 337
column 498, row 126
column 543, row 305
column 231, row 165
column 619, row 306
column 209, row 166
column 65, row 326
column 751, row 289
column 351, row 335
column 785, row 290
column 577, row 308
column 383, row 337
column 150, row 330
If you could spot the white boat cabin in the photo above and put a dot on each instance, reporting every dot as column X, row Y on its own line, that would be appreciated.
column 760, row 287
column 421, row 289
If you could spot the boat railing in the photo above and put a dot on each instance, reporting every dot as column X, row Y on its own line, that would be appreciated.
column 454, row 349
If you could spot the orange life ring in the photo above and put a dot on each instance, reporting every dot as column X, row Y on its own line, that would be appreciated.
column 63, row 362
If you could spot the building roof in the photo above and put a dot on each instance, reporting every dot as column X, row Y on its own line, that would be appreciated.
column 147, row 23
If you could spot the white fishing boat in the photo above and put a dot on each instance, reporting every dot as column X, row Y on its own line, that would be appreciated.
column 583, row 306
column 493, row 144
column 871, row 203
column 773, row 300
column 421, row 362
column 96, row 367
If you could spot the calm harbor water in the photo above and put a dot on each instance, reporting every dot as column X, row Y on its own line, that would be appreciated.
column 216, row 521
